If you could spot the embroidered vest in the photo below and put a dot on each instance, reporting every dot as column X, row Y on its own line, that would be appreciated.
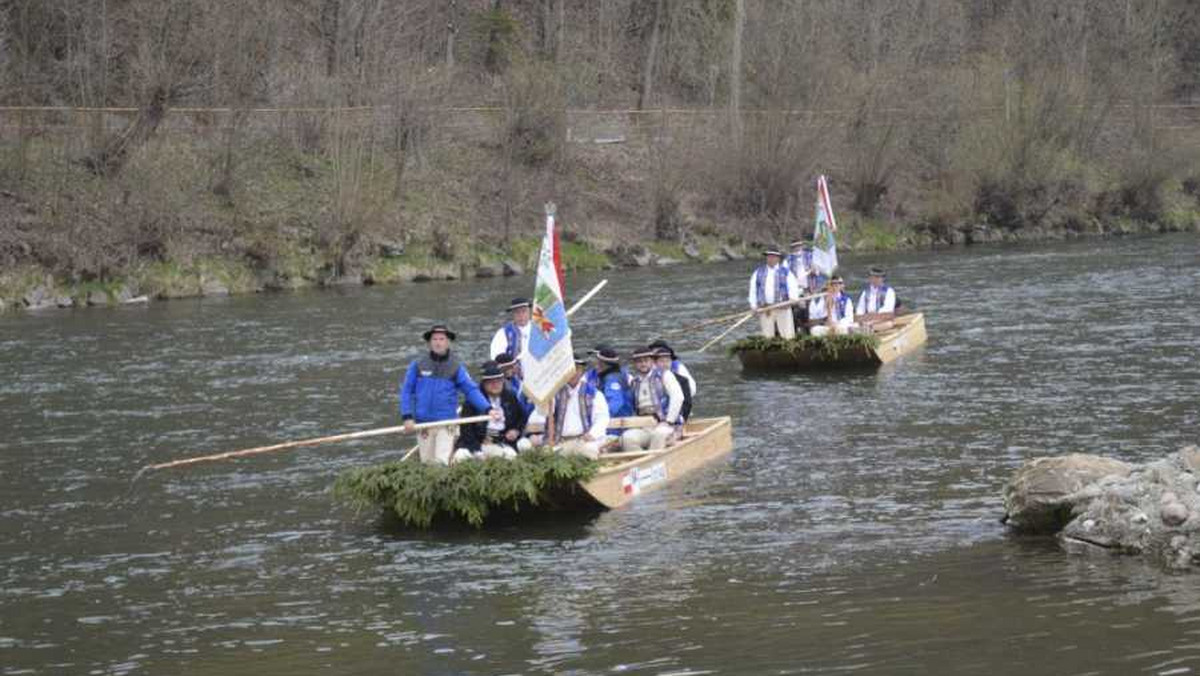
column 880, row 296
column 658, row 393
column 760, row 282
column 513, row 335
column 587, row 396
column 842, row 302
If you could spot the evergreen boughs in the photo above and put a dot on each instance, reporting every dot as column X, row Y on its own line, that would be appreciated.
column 417, row 492
column 823, row 348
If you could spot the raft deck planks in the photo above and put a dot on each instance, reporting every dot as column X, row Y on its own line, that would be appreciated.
column 705, row 440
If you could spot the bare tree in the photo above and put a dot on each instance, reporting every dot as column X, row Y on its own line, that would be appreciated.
column 169, row 62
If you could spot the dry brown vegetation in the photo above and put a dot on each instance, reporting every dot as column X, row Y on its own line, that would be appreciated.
column 304, row 138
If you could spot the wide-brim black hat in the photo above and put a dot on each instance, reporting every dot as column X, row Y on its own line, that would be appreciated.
column 876, row 271
column 605, row 353
column 490, row 371
column 580, row 359
column 650, row 352
column 799, row 242
column 518, row 303
column 608, row 355
column 504, row 360
column 439, row 328
column 772, row 252
column 663, row 348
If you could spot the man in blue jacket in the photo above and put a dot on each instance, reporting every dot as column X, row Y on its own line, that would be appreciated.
column 430, row 393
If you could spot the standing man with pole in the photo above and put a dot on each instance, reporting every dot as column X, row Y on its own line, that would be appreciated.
column 430, row 393
column 773, row 283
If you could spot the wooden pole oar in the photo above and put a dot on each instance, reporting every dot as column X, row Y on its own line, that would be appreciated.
column 727, row 318
column 706, row 322
column 588, row 296
column 724, row 333
column 751, row 313
column 312, row 442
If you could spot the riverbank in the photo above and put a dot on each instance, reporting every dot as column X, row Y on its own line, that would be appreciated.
column 32, row 288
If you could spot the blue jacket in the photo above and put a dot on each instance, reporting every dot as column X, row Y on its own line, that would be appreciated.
column 431, row 387
column 615, row 386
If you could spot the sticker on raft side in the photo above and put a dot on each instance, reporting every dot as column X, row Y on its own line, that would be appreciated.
column 638, row 478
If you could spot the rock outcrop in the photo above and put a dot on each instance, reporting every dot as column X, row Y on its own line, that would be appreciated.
column 1090, row 502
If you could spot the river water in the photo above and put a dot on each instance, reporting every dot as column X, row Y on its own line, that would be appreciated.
column 853, row 528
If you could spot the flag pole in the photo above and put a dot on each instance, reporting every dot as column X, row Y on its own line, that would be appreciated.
column 588, row 296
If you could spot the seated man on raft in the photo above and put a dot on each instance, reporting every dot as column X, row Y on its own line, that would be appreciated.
column 833, row 311
column 580, row 417
column 877, row 303
column 656, row 392
column 667, row 360
column 498, row 437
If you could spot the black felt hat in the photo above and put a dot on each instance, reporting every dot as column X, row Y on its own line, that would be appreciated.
column 580, row 359
column 876, row 271
column 663, row 348
column 799, row 242
column 490, row 371
column 605, row 353
column 608, row 355
column 504, row 360
column 518, row 303
column 439, row 328
column 647, row 351
column 772, row 251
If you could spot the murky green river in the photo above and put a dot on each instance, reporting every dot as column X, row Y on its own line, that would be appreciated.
column 854, row 527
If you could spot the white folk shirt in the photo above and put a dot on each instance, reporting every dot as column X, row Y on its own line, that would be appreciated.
column 869, row 301
column 496, row 427
column 686, row 375
column 573, row 420
column 500, row 341
column 800, row 270
column 816, row 310
column 769, row 286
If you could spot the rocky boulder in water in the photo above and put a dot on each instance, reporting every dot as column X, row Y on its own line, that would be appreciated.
column 1038, row 499
column 1152, row 509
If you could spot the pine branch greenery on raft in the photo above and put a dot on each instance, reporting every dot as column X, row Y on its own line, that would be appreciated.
column 823, row 347
column 418, row 492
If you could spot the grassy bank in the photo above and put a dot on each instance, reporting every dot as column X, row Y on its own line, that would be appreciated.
column 35, row 287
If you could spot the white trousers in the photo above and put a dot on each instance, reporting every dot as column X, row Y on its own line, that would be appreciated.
column 823, row 330
column 437, row 445
column 780, row 319
column 486, row 451
column 649, row 438
column 577, row 445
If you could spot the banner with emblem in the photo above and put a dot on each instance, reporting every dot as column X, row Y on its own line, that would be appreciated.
column 549, row 360
column 824, row 258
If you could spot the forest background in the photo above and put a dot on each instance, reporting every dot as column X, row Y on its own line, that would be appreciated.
column 182, row 147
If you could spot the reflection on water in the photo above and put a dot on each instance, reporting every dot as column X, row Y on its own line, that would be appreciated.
column 853, row 528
